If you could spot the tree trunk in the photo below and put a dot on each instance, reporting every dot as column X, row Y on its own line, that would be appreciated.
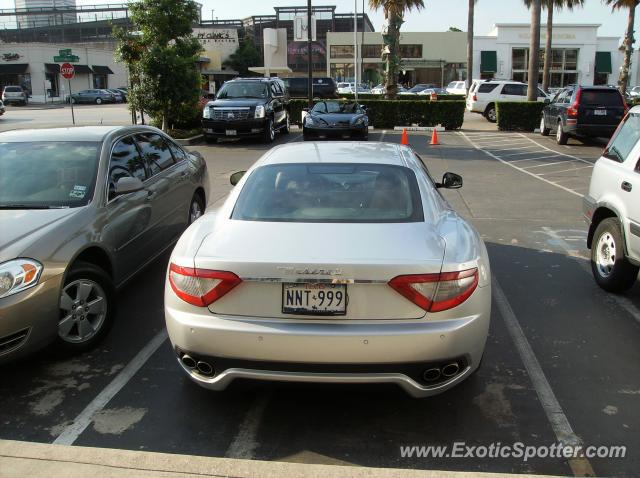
column 165, row 119
column 470, row 15
column 628, row 50
column 393, row 58
column 547, row 50
column 534, row 52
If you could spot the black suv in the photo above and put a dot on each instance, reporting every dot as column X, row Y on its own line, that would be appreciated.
column 594, row 111
column 322, row 87
column 247, row 107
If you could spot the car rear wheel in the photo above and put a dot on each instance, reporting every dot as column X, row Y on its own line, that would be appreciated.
column 269, row 131
column 287, row 126
column 611, row 269
column 210, row 139
column 196, row 209
column 87, row 308
column 561, row 136
column 490, row 113
column 73, row 100
column 98, row 101
column 544, row 131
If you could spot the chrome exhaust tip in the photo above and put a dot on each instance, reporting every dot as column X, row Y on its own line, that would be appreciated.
column 205, row 368
column 450, row 369
column 188, row 361
column 431, row 375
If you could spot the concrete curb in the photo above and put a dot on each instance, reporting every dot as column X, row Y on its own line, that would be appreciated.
column 35, row 460
column 439, row 129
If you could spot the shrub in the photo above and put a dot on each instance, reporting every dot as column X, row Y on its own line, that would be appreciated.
column 390, row 113
column 519, row 115
column 370, row 96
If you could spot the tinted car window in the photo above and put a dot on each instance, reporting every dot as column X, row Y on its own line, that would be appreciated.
column 125, row 161
column 155, row 152
column 243, row 89
column 350, row 193
column 13, row 89
column 179, row 154
column 487, row 87
column 517, row 90
column 625, row 139
column 47, row 174
column 601, row 98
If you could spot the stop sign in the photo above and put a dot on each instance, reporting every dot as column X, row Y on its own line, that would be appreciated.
column 67, row 70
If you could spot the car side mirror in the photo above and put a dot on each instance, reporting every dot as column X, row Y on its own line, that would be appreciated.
column 236, row 177
column 450, row 181
column 128, row 184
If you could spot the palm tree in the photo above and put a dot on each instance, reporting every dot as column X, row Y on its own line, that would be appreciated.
column 394, row 16
column 628, row 38
column 534, row 48
column 470, row 15
column 549, row 5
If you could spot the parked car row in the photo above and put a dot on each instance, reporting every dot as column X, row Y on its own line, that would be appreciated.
column 92, row 207
column 96, row 96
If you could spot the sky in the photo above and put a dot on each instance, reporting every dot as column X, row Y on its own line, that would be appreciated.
column 438, row 15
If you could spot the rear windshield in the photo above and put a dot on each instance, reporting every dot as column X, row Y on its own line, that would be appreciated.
column 601, row 98
column 349, row 193
column 47, row 174
column 487, row 87
column 13, row 89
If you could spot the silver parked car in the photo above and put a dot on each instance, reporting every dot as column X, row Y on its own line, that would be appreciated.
column 331, row 262
column 81, row 211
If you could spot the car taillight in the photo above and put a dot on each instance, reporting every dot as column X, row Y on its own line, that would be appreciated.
column 437, row 292
column 201, row 287
column 572, row 111
column 475, row 97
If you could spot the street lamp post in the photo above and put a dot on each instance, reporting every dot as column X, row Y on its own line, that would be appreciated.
column 309, row 64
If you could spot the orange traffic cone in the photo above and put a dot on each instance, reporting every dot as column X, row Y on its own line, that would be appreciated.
column 434, row 137
column 405, row 138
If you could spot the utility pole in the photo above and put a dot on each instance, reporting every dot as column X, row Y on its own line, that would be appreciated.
column 355, row 47
column 310, row 65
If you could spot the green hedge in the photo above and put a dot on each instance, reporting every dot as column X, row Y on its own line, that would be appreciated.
column 370, row 96
column 390, row 113
column 519, row 115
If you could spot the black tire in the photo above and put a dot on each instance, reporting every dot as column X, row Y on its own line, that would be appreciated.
column 210, row 139
column 305, row 137
column 561, row 136
column 269, row 132
column 491, row 114
column 608, row 245
column 83, row 271
column 365, row 135
column 544, row 131
column 98, row 101
column 286, row 129
column 196, row 203
column 72, row 100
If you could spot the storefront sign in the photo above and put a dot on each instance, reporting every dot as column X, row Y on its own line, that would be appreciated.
column 556, row 36
column 65, row 55
column 208, row 36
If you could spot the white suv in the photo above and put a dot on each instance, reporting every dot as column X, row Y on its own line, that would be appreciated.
column 483, row 100
column 457, row 88
column 612, row 208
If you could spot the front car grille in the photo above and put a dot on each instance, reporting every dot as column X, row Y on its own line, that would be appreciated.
column 229, row 114
column 13, row 341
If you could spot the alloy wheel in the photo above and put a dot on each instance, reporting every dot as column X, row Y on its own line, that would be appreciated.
column 83, row 307
column 195, row 211
column 606, row 254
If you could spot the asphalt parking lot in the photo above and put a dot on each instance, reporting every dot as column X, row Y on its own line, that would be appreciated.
column 561, row 362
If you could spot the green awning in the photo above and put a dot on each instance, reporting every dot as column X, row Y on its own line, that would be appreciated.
column 488, row 61
column 101, row 70
column 14, row 69
column 603, row 62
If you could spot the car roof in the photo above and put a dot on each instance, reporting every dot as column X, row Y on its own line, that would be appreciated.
column 76, row 133
column 337, row 152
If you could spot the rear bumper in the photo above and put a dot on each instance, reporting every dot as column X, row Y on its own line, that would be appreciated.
column 248, row 127
column 604, row 131
column 335, row 132
column 330, row 351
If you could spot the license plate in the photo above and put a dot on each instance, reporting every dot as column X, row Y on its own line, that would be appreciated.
column 600, row 112
column 314, row 299
column 231, row 132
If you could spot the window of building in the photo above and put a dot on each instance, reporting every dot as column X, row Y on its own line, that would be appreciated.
column 371, row 51
column 564, row 66
column 411, row 51
column 100, row 81
column 341, row 51
column 342, row 71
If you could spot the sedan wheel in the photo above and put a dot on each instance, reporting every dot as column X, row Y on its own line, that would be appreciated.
column 611, row 269
column 196, row 209
column 98, row 101
column 86, row 308
column 544, row 131
column 561, row 136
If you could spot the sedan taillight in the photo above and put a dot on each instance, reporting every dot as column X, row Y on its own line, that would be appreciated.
column 437, row 292
column 201, row 287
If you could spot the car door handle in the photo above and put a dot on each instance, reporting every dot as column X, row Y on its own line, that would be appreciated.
column 626, row 186
column 149, row 195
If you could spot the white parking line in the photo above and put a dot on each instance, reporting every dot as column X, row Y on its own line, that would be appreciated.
column 556, row 152
column 245, row 443
column 567, row 170
column 509, row 163
column 525, row 152
column 584, row 263
column 556, row 416
column 542, row 157
column 501, row 148
column 71, row 433
column 521, row 160
column 547, row 164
